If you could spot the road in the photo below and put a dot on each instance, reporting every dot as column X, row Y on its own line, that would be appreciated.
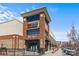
column 57, row 53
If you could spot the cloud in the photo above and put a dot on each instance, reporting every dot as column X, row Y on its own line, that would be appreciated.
column 20, row 19
column 26, row 10
column 33, row 7
column 6, row 14
column 53, row 10
column 61, row 36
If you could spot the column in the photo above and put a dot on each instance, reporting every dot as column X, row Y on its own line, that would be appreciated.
column 42, row 31
column 24, row 30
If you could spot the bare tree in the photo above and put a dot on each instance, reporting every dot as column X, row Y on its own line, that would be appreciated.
column 73, row 36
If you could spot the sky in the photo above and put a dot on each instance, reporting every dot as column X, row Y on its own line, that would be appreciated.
column 62, row 15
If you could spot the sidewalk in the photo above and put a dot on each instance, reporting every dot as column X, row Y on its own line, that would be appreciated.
column 56, row 53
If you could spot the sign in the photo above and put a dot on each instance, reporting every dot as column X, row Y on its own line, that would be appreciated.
column 32, row 24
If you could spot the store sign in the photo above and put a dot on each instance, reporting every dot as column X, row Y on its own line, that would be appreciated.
column 33, row 24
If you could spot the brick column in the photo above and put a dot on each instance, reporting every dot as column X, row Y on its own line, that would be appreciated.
column 42, row 31
column 14, row 42
column 24, row 29
column 17, row 42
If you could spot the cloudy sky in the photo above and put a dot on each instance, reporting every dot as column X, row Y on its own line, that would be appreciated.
column 62, row 16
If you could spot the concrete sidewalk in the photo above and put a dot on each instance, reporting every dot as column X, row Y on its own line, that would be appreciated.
column 56, row 53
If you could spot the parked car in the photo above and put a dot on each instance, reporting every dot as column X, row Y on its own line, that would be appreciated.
column 69, row 51
column 64, row 50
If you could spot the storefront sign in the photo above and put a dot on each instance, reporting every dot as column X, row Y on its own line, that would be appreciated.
column 32, row 24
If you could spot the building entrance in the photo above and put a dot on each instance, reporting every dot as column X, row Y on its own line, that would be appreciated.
column 32, row 45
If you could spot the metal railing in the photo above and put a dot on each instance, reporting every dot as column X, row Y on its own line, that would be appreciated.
column 21, row 52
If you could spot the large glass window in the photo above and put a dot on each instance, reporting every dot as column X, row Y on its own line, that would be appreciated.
column 33, row 31
column 33, row 18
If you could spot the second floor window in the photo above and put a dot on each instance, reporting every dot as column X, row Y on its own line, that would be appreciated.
column 33, row 31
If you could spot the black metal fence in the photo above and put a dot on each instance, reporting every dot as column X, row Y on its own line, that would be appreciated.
column 15, row 52
column 20, row 52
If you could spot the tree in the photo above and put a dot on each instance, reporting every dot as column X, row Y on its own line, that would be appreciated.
column 73, row 36
column 73, row 33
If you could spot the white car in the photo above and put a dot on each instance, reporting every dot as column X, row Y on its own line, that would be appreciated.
column 70, row 51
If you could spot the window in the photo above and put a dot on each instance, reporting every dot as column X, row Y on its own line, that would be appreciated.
column 33, row 18
column 46, row 35
column 33, row 31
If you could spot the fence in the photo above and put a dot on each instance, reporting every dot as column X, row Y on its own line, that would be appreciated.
column 21, row 52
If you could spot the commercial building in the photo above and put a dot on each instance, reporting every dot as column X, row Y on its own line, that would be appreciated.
column 54, row 43
column 11, row 34
column 36, row 30
column 33, row 33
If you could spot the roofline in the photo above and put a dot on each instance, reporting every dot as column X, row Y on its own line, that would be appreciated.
column 10, row 35
column 33, row 12
column 52, row 34
column 10, row 21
